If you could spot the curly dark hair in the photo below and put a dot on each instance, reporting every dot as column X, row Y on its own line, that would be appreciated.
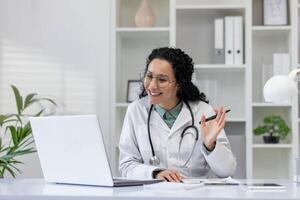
column 183, row 68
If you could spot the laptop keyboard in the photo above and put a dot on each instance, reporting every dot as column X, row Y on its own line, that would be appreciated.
column 132, row 182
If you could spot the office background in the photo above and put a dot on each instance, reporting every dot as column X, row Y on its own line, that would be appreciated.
column 83, row 52
column 57, row 48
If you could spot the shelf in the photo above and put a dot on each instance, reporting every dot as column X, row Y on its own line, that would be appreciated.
column 219, row 67
column 133, row 32
column 274, row 30
column 198, row 7
column 272, row 146
column 271, row 28
column 209, row 4
column 265, row 104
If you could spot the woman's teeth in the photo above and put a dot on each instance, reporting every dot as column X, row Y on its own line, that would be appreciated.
column 155, row 93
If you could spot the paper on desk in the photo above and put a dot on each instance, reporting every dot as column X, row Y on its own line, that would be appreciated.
column 173, row 186
column 223, row 181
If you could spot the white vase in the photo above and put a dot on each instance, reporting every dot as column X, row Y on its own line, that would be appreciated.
column 144, row 16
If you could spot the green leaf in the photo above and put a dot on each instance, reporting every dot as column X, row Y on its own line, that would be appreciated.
column 39, row 113
column 19, row 132
column 275, row 125
column 4, row 119
column 11, row 171
column 25, row 131
column 28, row 99
column 19, row 99
column 18, row 153
column 14, row 135
column 49, row 100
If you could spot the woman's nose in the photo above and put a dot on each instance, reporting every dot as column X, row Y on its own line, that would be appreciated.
column 153, row 83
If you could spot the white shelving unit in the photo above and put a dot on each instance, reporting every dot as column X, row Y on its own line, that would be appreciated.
column 188, row 24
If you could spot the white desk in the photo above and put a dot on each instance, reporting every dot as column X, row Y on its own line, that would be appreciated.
column 36, row 189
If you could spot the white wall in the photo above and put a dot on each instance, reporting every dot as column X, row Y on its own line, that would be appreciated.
column 58, row 48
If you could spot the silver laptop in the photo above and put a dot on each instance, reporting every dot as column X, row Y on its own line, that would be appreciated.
column 71, row 150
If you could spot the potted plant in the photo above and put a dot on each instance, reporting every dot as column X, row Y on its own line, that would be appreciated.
column 275, row 128
column 15, row 136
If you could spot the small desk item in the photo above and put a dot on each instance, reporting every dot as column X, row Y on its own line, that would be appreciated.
column 173, row 186
column 212, row 182
column 264, row 186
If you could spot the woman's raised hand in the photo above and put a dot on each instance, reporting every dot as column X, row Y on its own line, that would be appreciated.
column 211, row 129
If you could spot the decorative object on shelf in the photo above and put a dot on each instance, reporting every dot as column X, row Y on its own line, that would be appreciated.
column 144, row 16
column 281, row 66
column 281, row 87
column 275, row 12
column 16, row 139
column 275, row 127
column 133, row 90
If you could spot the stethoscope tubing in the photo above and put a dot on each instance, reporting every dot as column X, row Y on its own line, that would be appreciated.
column 181, row 136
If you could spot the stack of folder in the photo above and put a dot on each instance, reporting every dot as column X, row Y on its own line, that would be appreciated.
column 229, row 47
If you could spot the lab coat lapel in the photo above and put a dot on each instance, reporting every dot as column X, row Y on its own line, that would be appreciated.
column 157, row 121
column 183, row 119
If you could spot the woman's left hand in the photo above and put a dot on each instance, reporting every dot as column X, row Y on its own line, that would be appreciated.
column 211, row 129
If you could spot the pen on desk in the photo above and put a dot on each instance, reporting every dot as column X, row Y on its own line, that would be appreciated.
column 213, row 117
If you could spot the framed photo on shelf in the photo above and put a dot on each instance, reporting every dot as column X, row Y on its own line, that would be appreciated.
column 275, row 12
column 133, row 90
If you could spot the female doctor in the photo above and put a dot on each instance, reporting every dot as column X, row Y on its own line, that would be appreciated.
column 161, row 136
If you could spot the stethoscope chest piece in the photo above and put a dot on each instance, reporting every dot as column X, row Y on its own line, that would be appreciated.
column 154, row 161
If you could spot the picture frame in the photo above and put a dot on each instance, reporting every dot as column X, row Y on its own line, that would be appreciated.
column 275, row 12
column 133, row 90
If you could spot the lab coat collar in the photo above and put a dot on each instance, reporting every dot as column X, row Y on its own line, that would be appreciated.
column 157, row 121
column 183, row 119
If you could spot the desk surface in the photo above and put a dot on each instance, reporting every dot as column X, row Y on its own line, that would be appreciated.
column 37, row 189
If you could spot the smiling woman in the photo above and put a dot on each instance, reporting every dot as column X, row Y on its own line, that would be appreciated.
column 173, row 147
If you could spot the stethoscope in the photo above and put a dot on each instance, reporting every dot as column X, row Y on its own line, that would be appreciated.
column 154, row 160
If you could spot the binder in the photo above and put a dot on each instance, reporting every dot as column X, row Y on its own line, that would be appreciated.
column 229, row 60
column 281, row 64
column 219, row 54
column 238, row 54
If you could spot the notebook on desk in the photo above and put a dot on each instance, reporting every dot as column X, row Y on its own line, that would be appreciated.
column 264, row 186
column 71, row 150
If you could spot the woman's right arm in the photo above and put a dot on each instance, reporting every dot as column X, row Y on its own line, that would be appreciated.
column 131, row 163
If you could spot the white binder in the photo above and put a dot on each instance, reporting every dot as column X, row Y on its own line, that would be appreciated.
column 238, row 54
column 219, row 41
column 281, row 64
column 229, row 60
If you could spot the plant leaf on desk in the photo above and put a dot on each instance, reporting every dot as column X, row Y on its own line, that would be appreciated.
column 19, row 131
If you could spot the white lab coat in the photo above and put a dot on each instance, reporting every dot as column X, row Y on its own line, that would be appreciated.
column 135, row 150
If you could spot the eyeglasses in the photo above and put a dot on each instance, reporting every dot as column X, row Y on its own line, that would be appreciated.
column 161, row 80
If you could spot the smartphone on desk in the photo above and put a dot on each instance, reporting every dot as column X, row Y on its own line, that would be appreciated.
column 264, row 186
